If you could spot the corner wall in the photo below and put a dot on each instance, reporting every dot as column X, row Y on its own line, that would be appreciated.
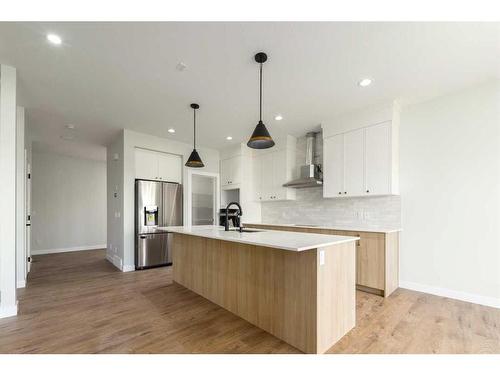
column 450, row 189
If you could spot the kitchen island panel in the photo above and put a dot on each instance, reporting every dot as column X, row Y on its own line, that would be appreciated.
column 288, row 294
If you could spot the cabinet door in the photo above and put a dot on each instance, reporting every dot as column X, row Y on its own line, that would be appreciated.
column 370, row 260
column 279, row 175
column 333, row 166
column 225, row 171
column 146, row 164
column 377, row 159
column 266, row 177
column 169, row 167
column 354, row 163
column 256, row 176
column 235, row 168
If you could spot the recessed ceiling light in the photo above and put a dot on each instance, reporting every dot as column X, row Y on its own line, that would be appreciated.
column 278, row 117
column 365, row 82
column 229, row 138
column 171, row 131
column 54, row 39
column 70, row 126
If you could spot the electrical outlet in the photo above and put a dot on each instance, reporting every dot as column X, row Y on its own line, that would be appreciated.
column 321, row 257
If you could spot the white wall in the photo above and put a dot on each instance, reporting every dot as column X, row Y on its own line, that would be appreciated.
column 121, row 177
column 8, row 90
column 68, row 203
column 450, row 189
column 20, row 201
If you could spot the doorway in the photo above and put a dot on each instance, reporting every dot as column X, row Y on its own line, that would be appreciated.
column 202, row 198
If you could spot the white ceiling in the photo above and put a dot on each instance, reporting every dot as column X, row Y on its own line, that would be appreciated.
column 109, row 76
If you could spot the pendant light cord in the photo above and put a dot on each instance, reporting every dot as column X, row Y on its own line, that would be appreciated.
column 260, row 105
column 194, row 129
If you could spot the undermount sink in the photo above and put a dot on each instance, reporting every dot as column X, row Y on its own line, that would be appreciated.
column 245, row 230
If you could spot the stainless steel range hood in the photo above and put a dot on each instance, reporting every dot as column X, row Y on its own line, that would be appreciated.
column 310, row 173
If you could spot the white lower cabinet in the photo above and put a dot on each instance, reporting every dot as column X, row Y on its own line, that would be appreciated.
column 271, row 171
column 360, row 162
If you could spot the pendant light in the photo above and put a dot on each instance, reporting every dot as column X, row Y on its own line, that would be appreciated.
column 260, row 137
column 194, row 160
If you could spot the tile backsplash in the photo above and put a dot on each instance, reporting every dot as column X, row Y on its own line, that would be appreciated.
column 311, row 208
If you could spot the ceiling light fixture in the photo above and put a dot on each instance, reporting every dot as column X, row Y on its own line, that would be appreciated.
column 54, row 39
column 171, row 130
column 260, row 138
column 229, row 138
column 365, row 82
column 278, row 118
column 194, row 160
column 70, row 126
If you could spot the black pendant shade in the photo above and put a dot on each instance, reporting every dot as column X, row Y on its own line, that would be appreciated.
column 194, row 160
column 260, row 138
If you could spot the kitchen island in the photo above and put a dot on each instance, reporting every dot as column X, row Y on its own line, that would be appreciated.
column 300, row 287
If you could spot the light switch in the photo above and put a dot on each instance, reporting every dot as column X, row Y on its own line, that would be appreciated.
column 321, row 257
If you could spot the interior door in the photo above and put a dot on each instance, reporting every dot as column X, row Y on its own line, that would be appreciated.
column 203, row 199
column 354, row 163
column 333, row 166
column 378, row 168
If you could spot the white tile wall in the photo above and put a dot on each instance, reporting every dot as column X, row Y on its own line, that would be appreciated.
column 311, row 208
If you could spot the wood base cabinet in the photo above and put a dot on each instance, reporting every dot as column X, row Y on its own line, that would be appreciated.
column 377, row 257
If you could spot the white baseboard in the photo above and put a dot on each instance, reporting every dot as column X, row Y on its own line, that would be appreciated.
column 68, row 249
column 6, row 311
column 21, row 284
column 128, row 268
column 115, row 260
column 454, row 294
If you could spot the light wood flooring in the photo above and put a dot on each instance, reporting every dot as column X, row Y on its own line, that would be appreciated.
column 79, row 303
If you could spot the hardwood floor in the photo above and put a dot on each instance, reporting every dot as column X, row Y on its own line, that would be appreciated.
column 79, row 303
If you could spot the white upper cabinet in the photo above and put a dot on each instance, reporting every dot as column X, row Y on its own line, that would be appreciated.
column 378, row 159
column 364, row 161
column 146, row 164
column 230, row 171
column 354, row 163
column 169, row 167
column 333, row 162
column 158, row 166
column 272, row 170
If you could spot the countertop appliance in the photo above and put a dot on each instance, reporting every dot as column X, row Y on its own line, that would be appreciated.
column 157, row 204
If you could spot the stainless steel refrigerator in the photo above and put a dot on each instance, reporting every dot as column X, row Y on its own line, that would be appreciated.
column 157, row 204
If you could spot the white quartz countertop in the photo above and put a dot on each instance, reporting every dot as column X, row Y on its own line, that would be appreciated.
column 293, row 241
column 347, row 228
